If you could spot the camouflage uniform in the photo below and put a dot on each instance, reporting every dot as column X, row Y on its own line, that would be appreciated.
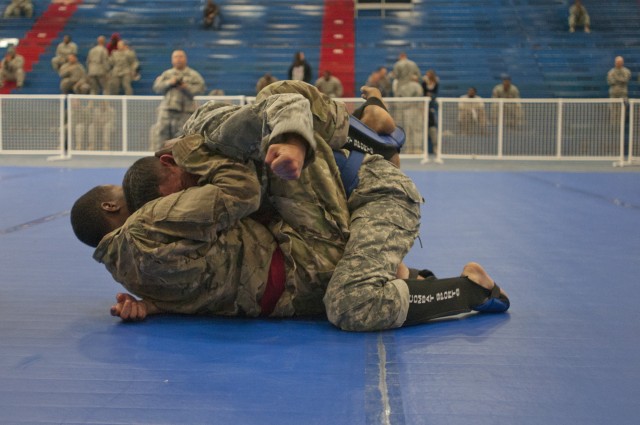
column 188, row 253
column 578, row 16
column 195, row 252
column 184, row 253
column 618, row 80
column 73, row 79
column 19, row 7
column 123, row 67
column 513, row 115
column 98, row 69
column 331, row 87
column 11, row 69
column 62, row 53
column 363, row 293
column 405, row 71
column 178, row 103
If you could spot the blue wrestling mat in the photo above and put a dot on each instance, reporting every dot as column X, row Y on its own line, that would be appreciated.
column 564, row 246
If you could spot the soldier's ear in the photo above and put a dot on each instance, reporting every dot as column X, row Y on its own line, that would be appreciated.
column 110, row 206
column 166, row 160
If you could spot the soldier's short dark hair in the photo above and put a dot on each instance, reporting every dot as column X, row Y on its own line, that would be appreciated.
column 141, row 182
column 88, row 220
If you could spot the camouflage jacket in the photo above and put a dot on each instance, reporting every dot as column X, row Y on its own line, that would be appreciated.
column 184, row 252
column 618, row 80
column 175, row 98
column 311, row 214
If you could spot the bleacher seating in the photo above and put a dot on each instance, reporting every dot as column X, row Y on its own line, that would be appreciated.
column 471, row 43
column 468, row 43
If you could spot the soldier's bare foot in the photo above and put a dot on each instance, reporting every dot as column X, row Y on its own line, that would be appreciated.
column 477, row 274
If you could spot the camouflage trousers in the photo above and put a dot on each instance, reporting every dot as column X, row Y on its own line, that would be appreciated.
column 363, row 293
column 170, row 124
column 330, row 118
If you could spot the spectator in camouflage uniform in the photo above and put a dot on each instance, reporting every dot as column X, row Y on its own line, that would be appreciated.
column 98, row 67
column 512, row 111
column 329, row 85
column 578, row 16
column 179, row 85
column 11, row 67
column 19, row 8
column 123, row 62
column 73, row 77
column 64, row 49
column 406, row 76
column 618, row 79
column 364, row 296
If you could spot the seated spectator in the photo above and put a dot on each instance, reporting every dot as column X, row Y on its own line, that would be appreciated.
column 329, row 85
column 578, row 16
column 380, row 80
column 19, row 8
column 64, row 49
column 212, row 17
column 73, row 77
column 264, row 81
column 11, row 68
column 471, row 115
column 512, row 111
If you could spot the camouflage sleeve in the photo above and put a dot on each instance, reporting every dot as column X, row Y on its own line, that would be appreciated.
column 192, row 155
column 201, row 212
column 160, row 84
column 195, row 83
column 245, row 132
column 330, row 117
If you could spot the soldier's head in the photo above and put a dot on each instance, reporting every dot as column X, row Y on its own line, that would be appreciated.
column 66, row 39
column 506, row 81
column 619, row 62
column 101, row 40
column 179, row 59
column 72, row 58
column 152, row 177
column 471, row 92
column 98, row 212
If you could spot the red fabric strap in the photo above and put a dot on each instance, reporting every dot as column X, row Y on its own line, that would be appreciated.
column 275, row 283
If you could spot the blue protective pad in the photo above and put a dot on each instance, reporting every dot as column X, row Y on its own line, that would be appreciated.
column 349, row 167
column 495, row 304
column 394, row 140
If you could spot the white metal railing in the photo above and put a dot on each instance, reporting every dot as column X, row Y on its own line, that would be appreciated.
column 381, row 5
column 546, row 129
column 32, row 124
column 634, row 131
column 106, row 125
column 584, row 129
